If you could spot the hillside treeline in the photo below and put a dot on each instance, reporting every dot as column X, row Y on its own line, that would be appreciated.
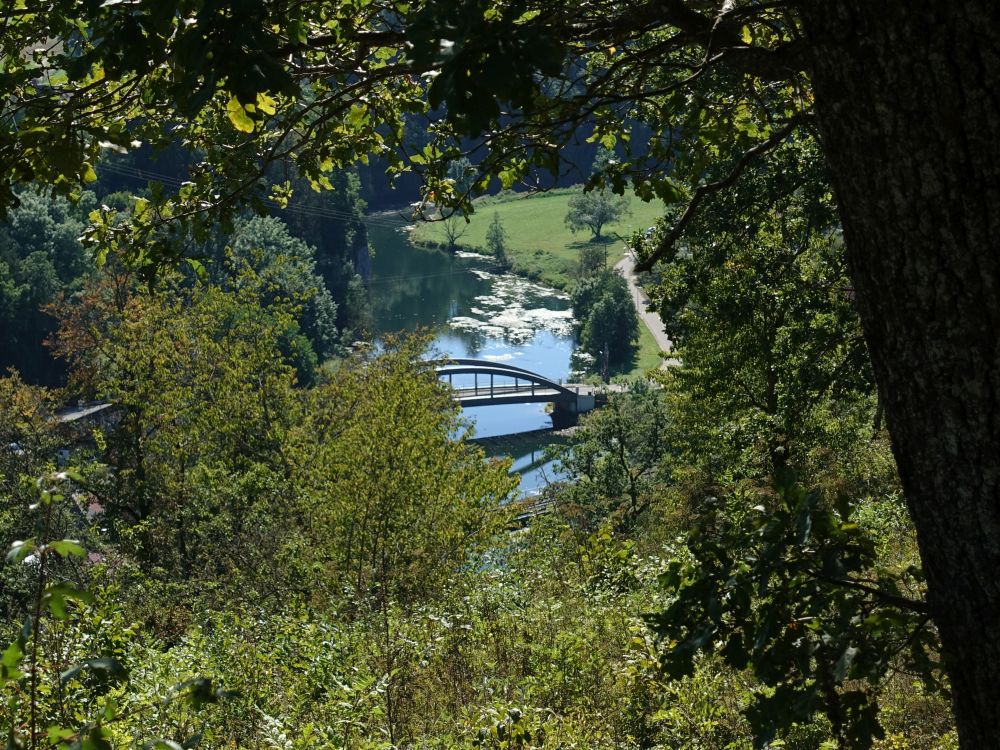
column 249, row 545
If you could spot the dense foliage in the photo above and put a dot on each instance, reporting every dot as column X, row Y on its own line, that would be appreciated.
column 334, row 564
column 296, row 555
column 595, row 209
column 43, row 260
column 728, row 562
column 40, row 257
column 607, row 320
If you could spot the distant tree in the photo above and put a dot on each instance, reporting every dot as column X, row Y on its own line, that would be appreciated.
column 461, row 173
column 206, row 394
column 616, row 461
column 397, row 497
column 609, row 324
column 593, row 260
column 496, row 241
column 455, row 226
column 609, row 332
column 287, row 265
column 40, row 256
column 332, row 221
column 594, row 209
column 767, row 335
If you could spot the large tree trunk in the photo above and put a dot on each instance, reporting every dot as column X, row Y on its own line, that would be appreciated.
column 908, row 95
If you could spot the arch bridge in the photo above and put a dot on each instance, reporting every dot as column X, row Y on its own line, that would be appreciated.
column 495, row 383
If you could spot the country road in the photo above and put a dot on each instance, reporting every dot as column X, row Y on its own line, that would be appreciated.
column 650, row 318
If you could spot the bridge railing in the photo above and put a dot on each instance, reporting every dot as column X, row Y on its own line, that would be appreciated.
column 494, row 389
column 477, row 368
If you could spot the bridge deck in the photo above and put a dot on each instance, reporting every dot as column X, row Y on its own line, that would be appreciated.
column 522, row 394
column 500, row 383
column 508, row 395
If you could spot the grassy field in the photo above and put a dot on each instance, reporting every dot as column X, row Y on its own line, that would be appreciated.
column 540, row 244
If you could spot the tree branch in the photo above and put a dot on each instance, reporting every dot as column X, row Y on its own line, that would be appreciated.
column 703, row 191
column 721, row 33
column 364, row 39
column 913, row 605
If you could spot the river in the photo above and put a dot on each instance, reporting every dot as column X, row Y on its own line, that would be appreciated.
column 476, row 311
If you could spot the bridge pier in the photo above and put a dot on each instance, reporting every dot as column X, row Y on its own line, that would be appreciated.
column 565, row 413
column 585, row 402
column 563, row 417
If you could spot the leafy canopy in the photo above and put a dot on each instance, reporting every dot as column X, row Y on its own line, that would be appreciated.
column 594, row 209
column 681, row 92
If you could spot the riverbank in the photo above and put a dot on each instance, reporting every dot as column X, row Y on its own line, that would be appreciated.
column 542, row 248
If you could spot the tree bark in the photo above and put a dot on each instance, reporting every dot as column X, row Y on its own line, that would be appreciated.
column 908, row 96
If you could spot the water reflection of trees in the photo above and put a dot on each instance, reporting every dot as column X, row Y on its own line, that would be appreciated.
column 472, row 340
column 413, row 287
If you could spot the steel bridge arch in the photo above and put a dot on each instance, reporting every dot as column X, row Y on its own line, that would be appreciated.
column 477, row 367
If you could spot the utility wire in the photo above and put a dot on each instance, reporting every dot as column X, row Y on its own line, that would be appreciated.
column 316, row 211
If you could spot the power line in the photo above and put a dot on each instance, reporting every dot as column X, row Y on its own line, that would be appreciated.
column 316, row 211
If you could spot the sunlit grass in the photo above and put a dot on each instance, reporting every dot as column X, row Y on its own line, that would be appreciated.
column 648, row 356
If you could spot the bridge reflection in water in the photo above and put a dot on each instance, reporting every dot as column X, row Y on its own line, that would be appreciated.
column 477, row 382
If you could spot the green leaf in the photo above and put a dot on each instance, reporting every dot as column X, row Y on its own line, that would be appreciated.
column 12, row 657
column 507, row 178
column 20, row 550
column 56, row 595
column 58, row 734
column 266, row 104
column 96, row 739
column 358, row 116
column 200, row 691
column 238, row 116
column 199, row 269
column 298, row 31
column 106, row 665
column 527, row 16
column 67, row 547
column 13, row 654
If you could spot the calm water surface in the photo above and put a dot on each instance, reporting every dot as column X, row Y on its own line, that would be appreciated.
column 475, row 311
